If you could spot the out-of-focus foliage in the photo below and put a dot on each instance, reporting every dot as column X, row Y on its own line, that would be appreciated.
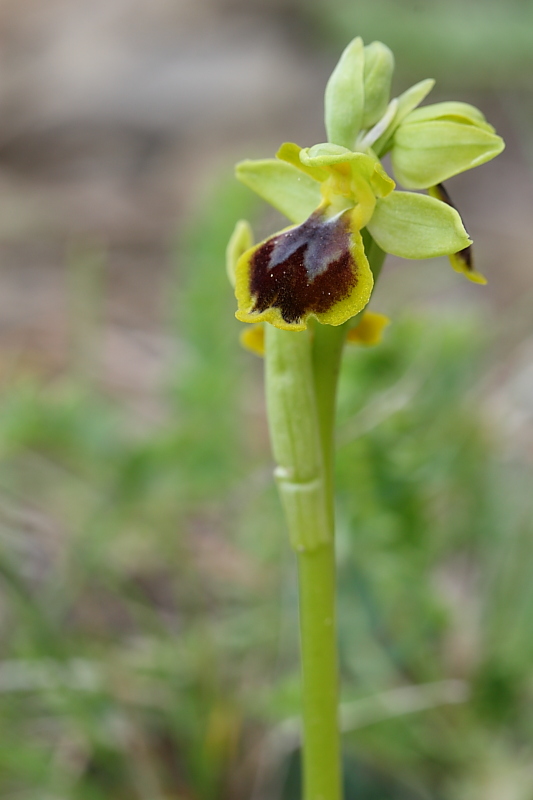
column 148, row 610
column 479, row 43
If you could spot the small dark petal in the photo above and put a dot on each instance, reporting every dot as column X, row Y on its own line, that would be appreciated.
column 443, row 195
column 307, row 269
column 466, row 255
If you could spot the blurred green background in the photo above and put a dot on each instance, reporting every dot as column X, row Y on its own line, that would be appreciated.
column 148, row 618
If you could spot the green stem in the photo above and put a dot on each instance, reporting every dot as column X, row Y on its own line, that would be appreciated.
column 327, row 350
column 320, row 681
column 295, row 437
column 376, row 256
column 301, row 422
column 301, row 375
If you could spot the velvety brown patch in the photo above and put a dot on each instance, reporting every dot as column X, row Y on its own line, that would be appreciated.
column 309, row 268
column 465, row 255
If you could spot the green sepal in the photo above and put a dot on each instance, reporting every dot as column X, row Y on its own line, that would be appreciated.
column 427, row 153
column 344, row 98
column 378, row 69
column 292, row 192
column 240, row 241
column 406, row 102
column 417, row 226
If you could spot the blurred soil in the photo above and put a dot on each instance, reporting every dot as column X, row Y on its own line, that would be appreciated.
column 116, row 118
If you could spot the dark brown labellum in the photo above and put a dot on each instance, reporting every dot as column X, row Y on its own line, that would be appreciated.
column 307, row 269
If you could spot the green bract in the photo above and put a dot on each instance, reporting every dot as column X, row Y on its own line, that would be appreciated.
column 332, row 191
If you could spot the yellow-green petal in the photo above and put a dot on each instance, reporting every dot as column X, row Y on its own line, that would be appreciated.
column 252, row 338
column 283, row 186
column 290, row 153
column 370, row 330
column 318, row 269
column 417, row 226
column 240, row 240
column 462, row 262
column 344, row 98
column 427, row 153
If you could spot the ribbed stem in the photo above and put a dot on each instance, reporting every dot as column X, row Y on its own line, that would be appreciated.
column 301, row 374
column 320, row 690
column 301, row 427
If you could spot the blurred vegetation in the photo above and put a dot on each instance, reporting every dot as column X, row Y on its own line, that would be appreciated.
column 480, row 44
column 148, row 623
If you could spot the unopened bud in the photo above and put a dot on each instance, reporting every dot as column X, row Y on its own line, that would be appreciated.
column 377, row 77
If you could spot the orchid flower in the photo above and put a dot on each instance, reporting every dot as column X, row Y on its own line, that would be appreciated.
column 334, row 192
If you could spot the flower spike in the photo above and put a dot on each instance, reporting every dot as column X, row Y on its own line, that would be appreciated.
column 340, row 200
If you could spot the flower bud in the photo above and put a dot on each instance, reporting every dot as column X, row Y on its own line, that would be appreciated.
column 429, row 152
column 345, row 97
column 451, row 111
column 377, row 77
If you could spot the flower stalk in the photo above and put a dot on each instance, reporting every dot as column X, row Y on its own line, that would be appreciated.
column 301, row 425
column 301, row 375
column 321, row 763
